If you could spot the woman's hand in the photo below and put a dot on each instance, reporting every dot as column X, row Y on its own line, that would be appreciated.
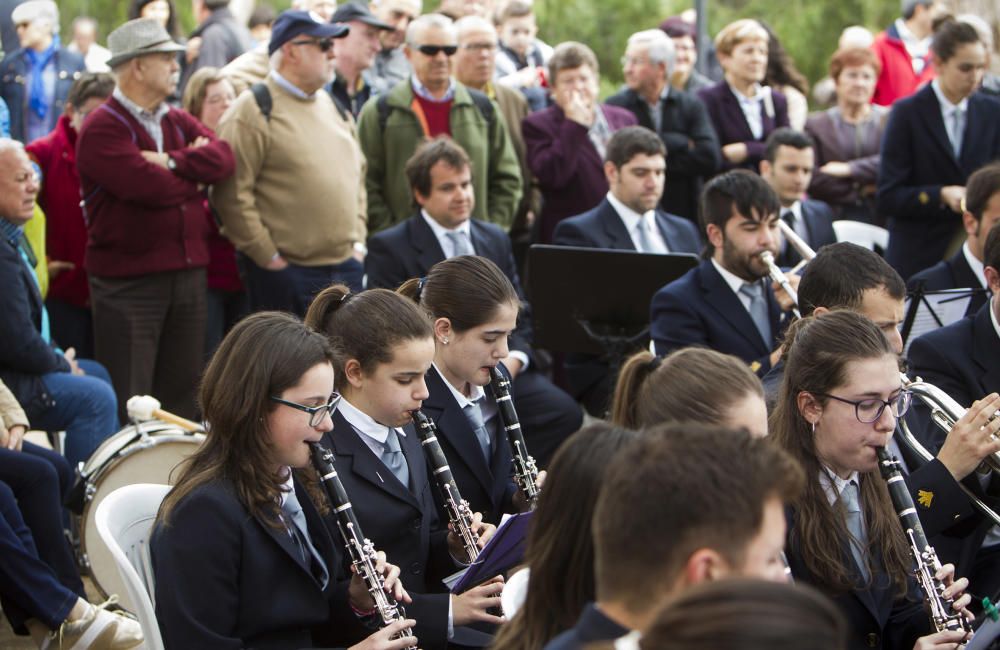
column 735, row 152
column 836, row 169
column 475, row 604
column 383, row 639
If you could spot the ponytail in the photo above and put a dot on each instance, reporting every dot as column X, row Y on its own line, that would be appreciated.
column 631, row 379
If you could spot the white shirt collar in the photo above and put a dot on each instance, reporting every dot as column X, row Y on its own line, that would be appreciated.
column 288, row 486
column 947, row 108
column 796, row 209
column 833, row 485
column 290, row 87
column 421, row 90
column 629, row 216
column 758, row 94
column 441, row 232
column 364, row 422
column 977, row 267
column 476, row 391
column 735, row 282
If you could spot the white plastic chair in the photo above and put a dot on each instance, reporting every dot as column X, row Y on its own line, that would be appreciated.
column 124, row 521
column 863, row 234
column 515, row 591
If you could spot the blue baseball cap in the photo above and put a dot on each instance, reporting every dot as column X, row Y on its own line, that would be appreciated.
column 292, row 23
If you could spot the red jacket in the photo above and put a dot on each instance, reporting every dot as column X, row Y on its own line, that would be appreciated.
column 897, row 79
column 143, row 218
column 65, row 230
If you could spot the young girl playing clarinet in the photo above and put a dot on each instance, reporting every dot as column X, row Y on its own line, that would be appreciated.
column 383, row 345
column 474, row 308
column 839, row 401
column 242, row 553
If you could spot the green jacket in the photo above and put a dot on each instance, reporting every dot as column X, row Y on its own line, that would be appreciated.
column 496, row 175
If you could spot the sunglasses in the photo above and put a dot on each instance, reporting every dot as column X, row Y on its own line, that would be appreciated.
column 323, row 44
column 433, row 50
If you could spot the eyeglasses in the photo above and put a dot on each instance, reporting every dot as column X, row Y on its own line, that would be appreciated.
column 433, row 50
column 316, row 413
column 324, row 44
column 871, row 409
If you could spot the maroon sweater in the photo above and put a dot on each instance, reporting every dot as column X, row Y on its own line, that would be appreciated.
column 143, row 218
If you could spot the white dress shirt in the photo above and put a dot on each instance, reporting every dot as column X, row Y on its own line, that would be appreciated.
column 735, row 283
column 630, row 218
column 955, row 130
column 976, row 265
column 753, row 108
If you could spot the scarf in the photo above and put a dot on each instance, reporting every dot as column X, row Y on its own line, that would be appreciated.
column 37, row 99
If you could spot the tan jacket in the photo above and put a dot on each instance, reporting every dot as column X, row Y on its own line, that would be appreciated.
column 10, row 411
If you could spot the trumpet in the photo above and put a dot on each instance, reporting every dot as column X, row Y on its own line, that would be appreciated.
column 779, row 277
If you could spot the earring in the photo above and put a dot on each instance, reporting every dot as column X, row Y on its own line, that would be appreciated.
column 813, row 427
column 445, row 341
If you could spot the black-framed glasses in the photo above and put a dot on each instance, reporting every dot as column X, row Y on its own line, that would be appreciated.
column 324, row 44
column 316, row 413
column 433, row 50
column 871, row 409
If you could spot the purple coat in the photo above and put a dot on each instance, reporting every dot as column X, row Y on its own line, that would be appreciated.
column 567, row 166
column 731, row 126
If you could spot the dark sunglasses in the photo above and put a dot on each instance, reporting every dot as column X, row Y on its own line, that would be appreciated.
column 324, row 44
column 432, row 50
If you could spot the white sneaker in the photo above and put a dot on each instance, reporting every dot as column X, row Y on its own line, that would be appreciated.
column 97, row 629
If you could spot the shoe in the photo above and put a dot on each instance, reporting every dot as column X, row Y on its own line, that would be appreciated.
column 97, row 629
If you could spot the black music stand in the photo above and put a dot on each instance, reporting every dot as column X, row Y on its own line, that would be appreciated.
column 596, row 301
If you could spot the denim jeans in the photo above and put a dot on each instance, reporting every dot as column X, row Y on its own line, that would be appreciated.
column 293, row 288
column 28, row 588
column 39, row 478
column 85, row 408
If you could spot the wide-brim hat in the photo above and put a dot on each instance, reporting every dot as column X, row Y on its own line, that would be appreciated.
column 137, row 38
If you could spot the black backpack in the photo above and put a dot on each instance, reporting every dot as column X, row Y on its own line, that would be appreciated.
column 481, row 101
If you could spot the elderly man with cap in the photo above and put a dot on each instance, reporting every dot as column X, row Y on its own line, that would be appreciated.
column 143, row 167
column 35, row 79
column 355, row 54
column 295, row 210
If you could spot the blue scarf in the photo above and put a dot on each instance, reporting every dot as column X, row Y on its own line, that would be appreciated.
column 37, row 100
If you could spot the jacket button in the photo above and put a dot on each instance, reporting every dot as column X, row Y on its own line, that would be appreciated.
column 415, row 568
column 872, row 640
column 415, row 524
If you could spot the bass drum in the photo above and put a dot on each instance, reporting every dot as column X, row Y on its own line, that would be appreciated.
column 146, row 452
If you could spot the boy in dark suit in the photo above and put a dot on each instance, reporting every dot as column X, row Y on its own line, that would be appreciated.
column 724, row 303
column 787, row 167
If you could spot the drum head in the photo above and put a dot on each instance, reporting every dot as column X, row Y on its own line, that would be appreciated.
column 149, row 459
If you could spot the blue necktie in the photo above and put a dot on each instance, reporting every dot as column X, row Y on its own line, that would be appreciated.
column 460, row 243
column 392, row 456
column 291, row 510
column 475, row 416
column 856, row 527
column 758, row 309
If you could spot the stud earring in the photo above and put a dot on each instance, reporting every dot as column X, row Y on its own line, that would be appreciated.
column 445, row 341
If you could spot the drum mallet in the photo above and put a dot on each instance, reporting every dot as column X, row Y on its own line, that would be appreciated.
column 142, row 408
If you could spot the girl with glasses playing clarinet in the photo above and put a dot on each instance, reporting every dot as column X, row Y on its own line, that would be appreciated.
column 243, row 549
column 838, row 404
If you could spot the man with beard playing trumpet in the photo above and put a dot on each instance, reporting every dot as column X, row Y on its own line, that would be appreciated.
column 723, row 303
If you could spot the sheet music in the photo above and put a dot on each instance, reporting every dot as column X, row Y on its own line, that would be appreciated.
column 937, row 309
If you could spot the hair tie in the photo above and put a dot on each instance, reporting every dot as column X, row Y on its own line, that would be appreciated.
column 420, row 287
column 654, row 363
column 344, row 298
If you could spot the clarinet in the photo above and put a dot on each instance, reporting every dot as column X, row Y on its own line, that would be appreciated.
column 361, row 549
column 943, row 616
column 459, row 513
column 525, row 472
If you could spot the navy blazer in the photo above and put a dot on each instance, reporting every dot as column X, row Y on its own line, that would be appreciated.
column 409, row 249
column 603, row 228
column 699, row 308
column 226, row 579
column 917, row 161
column 818, row 219
column 400, row 520
column 731, row 125
column 692, row 149
column 876, row 617
column 952, row 273
column 567, row 166
column 24, row 355
column 489, row 489
column 593, row 626
column 14, row 71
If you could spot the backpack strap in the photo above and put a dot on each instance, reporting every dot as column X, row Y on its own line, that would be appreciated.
column 263, row 97
column 480, row 99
